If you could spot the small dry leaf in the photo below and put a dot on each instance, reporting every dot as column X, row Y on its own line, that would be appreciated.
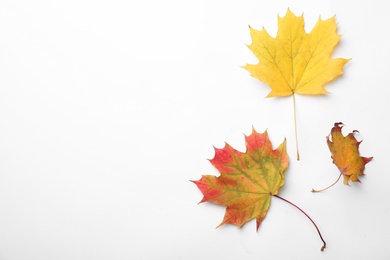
column 345, row 154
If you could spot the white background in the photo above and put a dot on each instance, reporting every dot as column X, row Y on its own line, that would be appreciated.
column 109, row 108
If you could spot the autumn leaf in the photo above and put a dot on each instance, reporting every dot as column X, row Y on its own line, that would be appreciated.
column 345, row 155
column 248, row 180
column 296, row 62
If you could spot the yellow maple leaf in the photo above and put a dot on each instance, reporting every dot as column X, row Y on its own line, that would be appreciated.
column 295, row 61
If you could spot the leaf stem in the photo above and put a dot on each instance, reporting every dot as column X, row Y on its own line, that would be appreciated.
column 319, row 233
column 295, row 126
column 313, row 190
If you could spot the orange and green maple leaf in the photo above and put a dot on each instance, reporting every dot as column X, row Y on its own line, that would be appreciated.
column 296, row 61
column 247, row 180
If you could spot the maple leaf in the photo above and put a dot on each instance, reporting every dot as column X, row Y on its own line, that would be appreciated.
column 296, row 62
column 345, row 155
column 247, row 181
